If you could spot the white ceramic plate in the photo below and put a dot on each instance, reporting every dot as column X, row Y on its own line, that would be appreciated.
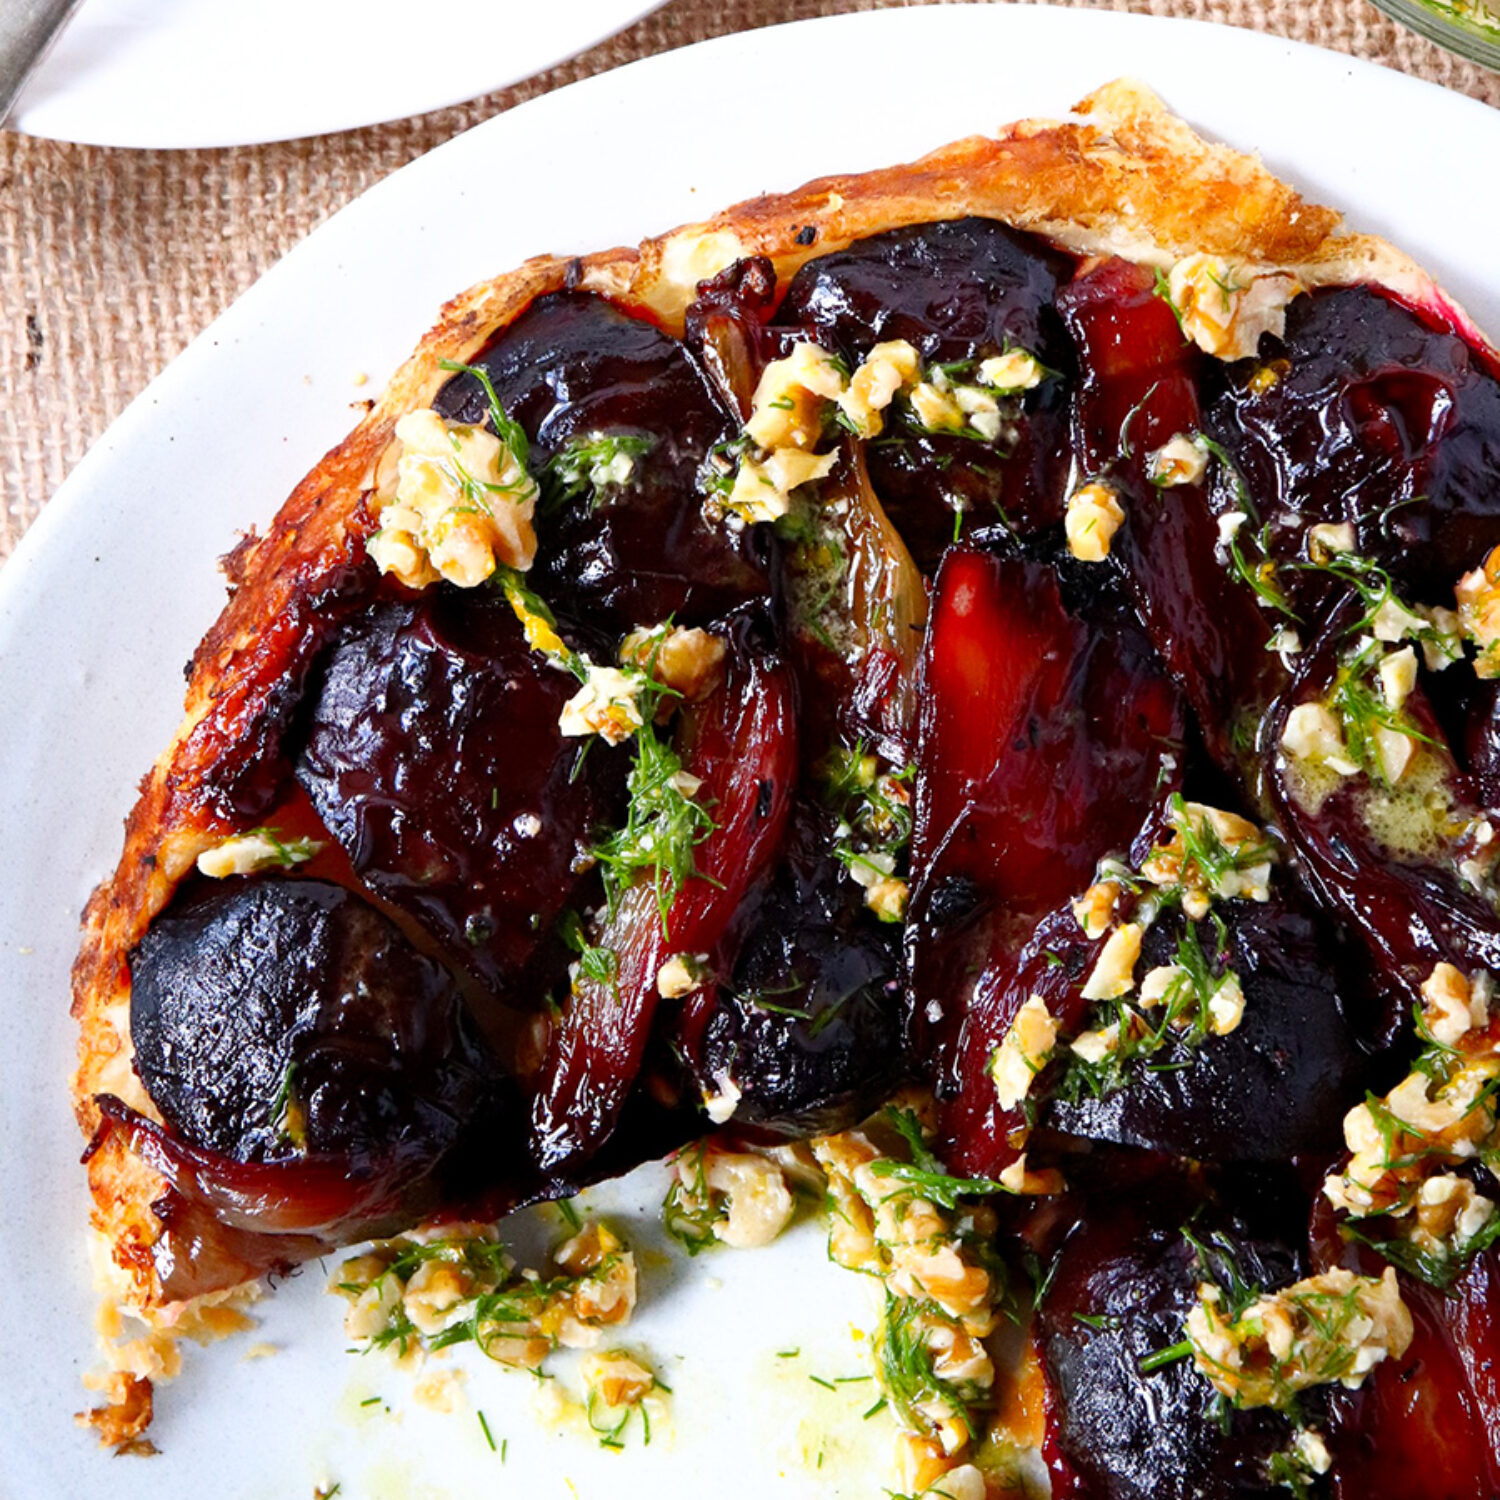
column 112, row 588
column 180, row 73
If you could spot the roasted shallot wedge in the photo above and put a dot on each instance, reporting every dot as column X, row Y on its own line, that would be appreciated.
column 739, row 750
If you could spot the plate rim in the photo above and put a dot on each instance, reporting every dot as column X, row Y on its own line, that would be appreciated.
column 573, row 41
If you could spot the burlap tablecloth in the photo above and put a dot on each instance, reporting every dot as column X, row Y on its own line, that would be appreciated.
column 111, row 261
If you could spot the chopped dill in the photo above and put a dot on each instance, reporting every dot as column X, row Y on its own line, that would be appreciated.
column 1162, row 287
column 602, row 965
column 1261, row 578
column 1164, row 1357
column 1204, row 848
column 1362, row 710
column 689, row 1211
column 664, row 825
column 1177, row 1024
column 510, row 433
column 595, row 464
column 904, row 1364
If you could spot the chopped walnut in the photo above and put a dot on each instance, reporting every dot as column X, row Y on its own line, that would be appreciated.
column 1182, row 460
column 1225, row 309
column 1313, row 734
column 462, row 505
column 1025, row 1051
column 1113, row 974
column 604, row 705
column 1094, row 514
column 616, row 1378
column 1095, row 909
column 886, row 370
column 690, row 661
column 1331, row 1328
column 1478, row 595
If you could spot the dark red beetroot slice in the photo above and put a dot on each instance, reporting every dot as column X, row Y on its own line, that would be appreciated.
column 1428, row 1424
column 742, row 744
column 1121, row 1289
column 1377, row 419
column 574, row 366
column 809, row 1027
column 1411, row 908
column 1139, row 389
column 1276, row 1087
column 433, row 755
column 1042, row 746
column 958, row 290
column 317, row 1076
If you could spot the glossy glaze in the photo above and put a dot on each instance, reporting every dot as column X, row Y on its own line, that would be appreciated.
column 574, row 366
column 432, row 753
column 959, row 291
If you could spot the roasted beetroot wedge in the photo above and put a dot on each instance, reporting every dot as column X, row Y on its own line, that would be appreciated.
column 1042, row 747
column 620, row 417
column 433, row 756
column 959, row 292
column 1428, row 1423
column 1124, row 1280
column 1203, row 602
column 1382, row 819
column 807, row 1032
column 1365, row 414
column 1275, row 1087
column 316, row 1076
column 740, row 746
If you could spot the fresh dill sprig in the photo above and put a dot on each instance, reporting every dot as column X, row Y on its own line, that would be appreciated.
column 510, row 432
column 664, row 825
column 924, row 1175
column 1439, row 1268
column 1177, row 1025
column 602, row 965
column 904, row 1366
column 1261, row 578
column 593, row 463
column 1162, row 287
column 1203, row 847
column 689, row 1211
column 1362, row 710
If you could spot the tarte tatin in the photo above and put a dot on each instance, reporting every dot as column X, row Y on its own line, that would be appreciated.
column 971, row 687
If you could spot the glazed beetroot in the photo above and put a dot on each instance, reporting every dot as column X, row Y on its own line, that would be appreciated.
column 1276, row 1087
column 959, row 291
column 320, row 1081
column 433, row 755
column 808, row 1028
column 1424, row 1424
column 1041, row 749
column 1411, row 906
column 253, row 1002
column 1124, row 1281
column 571, row 368
column 1140, row 389
column 1373, row 418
